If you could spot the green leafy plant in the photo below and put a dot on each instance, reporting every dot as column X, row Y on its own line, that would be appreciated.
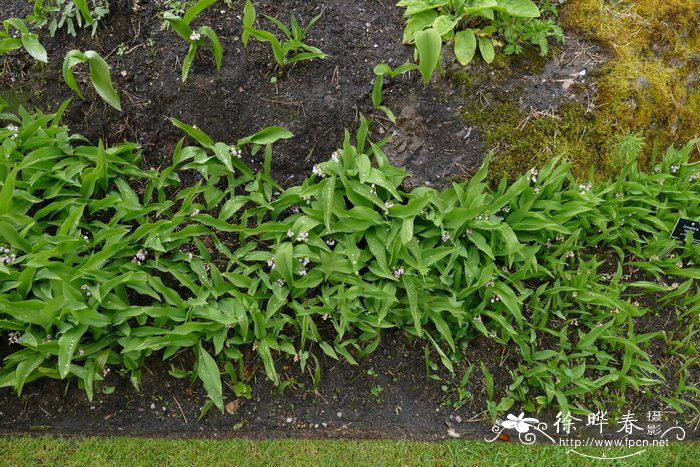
column 105, row 265
column 99, row 75
column 27, row 40
column 195, row 37
column 69, row 14
column 517, row 32
column 469, row 24
column 380, row 71
column 286, row 52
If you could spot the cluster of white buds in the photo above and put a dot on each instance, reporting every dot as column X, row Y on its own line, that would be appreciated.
column 586, row 187
column 468, row 231
column 335, row 157
column 6, row 256
column 674, row 286
column 195, row 212
column 235, row 152
column 574, row 294
column 445, row 236
column 296, row 358
column 482, row 217
column 373, row 189
column 325, row 316
column 140, row 257
column 679, row 264
column 290, row 233
column 398, row 272
column 14, row 337
column 537, row 190
column 675, row 168
column 195, row 36
column 657, row 170
column 302, row 237
column 489, row 284
column 388, row 205
column 495, row 298
column 505, row 209
column 478, row 318
column 569, row 254
column 534, row 173
column 271, row 264
column 294, row 209
column 694, row 177
column 14, row 130
column 106, row 371
column 330, row 242
column 48, row 338
column 305, row 261
column 81, row 352
column 281, row 282
column 317, row 170
column 301, row 272
column 85, row 237
column 307, row 199
column 86, row 290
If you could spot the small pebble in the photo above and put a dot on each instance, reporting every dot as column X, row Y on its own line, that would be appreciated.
column 290, row 419
column 340, row 414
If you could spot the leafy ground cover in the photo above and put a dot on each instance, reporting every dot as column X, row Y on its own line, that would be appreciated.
column 544, row 290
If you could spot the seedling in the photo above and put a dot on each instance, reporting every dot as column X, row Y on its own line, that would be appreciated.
column 204, row 35
column 288, row 51
column 27, row 40
column 99, row 75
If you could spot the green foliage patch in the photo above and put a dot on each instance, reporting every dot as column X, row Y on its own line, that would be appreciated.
column 105, row 264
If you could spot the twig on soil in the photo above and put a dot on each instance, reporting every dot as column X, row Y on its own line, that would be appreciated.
column 181, row 411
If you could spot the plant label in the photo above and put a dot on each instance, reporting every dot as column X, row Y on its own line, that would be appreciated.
column 685, row 226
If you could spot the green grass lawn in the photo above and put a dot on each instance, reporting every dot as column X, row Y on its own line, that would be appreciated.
column 137, row 452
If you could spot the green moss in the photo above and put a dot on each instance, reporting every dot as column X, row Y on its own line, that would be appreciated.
column 460, row 78
column 524, row 141
column 647, row 88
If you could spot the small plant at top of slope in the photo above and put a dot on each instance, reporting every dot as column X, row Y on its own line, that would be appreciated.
column 469, row 24
column 286, row 52
column 69, row 14
column 195, row 37
column 99, row 75
column 28, row 40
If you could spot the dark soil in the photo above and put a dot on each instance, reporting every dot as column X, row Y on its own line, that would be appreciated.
column 317, row 100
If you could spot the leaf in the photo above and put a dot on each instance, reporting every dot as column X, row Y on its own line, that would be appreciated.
column 101, row 80
column 199, row 136
column 248, row 20
column 268, row 361
column 25, row 369
column 443, row 24
column 486, row 49
column 429, row 46
column 196, row 9
column 67, row 344
column 518, row 8
column 465, row 46
column 208, row 372
column 327, row 197
column 268, row 135
column 216, row 48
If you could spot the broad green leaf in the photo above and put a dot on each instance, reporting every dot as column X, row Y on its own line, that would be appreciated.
column 101, row 80
column 518, row 8
column 429, row 45
column 67, row 344
column 486, row 49
column 194, row 11
column 208, row 372
column 268, row 135
column 465, row 46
